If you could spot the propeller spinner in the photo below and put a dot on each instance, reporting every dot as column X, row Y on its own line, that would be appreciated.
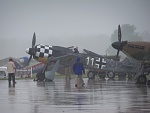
column 119, row 44
column 31, row 51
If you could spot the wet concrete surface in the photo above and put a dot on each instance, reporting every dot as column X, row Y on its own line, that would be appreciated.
column 61, row 96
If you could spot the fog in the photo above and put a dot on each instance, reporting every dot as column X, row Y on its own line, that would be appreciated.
column 84, row 23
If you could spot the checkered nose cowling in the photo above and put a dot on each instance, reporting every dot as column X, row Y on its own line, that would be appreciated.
column 43, row 51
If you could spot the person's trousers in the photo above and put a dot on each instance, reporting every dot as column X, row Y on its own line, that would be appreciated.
column 79, row 80
column 11, row 76
column 67, row 73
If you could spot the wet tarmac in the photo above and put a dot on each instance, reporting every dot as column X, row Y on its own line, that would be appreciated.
column 61, row 96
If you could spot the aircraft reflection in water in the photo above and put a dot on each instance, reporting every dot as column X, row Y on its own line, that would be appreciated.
column 138, row 50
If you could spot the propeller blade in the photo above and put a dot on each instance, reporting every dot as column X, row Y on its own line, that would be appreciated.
column 117, row 53
column 119, row 33
column 29, row 59
column 33, row 40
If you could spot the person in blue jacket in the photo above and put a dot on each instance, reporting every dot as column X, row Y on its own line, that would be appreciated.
column 78, row 69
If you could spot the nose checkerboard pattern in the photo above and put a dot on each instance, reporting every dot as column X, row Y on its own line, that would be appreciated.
column 43, row 51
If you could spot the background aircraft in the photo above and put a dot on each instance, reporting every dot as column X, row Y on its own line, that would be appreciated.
column 19, row 62
column 112, row 66
column 137, row 50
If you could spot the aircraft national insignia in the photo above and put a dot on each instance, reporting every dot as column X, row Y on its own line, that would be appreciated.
column 101, row 63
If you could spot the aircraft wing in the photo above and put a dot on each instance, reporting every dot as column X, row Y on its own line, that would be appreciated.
column 121, row 66
column 114, row 57
column 91, row 53
column 68, row 59
column 92, row 61
column 88, row 60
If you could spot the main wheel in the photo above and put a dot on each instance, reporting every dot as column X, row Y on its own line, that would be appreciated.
column 40, row 76
column 110, row 74
column 102, row 75
column 142, row 79
column 91, row 74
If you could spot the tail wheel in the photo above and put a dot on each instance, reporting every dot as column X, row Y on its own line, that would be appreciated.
column 91, row 74
column 142, row 79
column 110, row 74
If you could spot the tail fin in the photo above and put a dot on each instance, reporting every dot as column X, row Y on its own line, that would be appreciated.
column 18, row 66
column 21, row 62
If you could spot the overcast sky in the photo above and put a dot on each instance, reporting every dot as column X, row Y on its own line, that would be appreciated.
column 83, row 23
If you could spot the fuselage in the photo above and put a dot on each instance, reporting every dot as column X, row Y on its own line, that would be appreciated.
column 42, row 53
column 138, row 50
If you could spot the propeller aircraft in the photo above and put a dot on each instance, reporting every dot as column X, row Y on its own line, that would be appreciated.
column 48, row 54
column 66, row 56
column 112, row 66
column 137, row 50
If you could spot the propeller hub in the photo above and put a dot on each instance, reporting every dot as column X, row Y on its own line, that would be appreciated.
column 118, row 45
column 30, row 51
column 27, row 50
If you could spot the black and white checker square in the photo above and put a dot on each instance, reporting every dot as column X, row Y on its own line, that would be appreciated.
column 43, row 51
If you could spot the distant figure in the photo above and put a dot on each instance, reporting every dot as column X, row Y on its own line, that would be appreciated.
column 76, row 50
column 11, row 69
column 78, row 69
column 67, row 72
